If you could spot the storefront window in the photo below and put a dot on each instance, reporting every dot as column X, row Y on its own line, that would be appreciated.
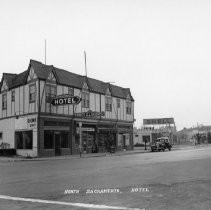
column 27, row 137
column 127, row 139
column 64, row 140
column 48, row 140
column 101, row 139
column 120, row 140
column 19, row 140
column 24, row 139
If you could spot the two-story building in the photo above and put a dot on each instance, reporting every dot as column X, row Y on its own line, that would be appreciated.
column 34, row 126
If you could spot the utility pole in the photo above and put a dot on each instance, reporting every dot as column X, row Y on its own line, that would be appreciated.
column 85, row 63
column 45, row 51
column 80, row 134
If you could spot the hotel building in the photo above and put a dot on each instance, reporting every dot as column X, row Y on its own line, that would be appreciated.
column 35, row 127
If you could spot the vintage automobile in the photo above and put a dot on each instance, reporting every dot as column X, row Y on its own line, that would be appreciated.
column 161, row 144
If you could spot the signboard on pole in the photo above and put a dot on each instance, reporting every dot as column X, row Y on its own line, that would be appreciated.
column 158, row 121
column 65, row 100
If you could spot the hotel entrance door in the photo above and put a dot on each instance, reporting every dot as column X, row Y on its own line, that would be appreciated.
column 57, row 138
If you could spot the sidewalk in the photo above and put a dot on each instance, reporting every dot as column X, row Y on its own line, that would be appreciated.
column 69, row 157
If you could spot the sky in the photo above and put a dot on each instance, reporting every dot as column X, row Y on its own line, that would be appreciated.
column 161, row 50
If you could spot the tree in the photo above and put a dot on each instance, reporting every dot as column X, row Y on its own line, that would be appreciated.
column 209, row 137
column 198, row 137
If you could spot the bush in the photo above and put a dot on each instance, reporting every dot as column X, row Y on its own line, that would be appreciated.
column 7, row 152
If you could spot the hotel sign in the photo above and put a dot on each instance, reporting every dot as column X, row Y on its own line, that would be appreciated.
column 158, row 121
column 65, row 100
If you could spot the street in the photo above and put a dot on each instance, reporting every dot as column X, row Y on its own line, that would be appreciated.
column 162, row 180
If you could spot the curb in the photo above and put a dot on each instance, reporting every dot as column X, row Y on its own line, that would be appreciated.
column 72, row 157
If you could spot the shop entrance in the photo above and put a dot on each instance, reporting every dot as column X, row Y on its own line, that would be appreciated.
column 88, row 142
column 57, row 138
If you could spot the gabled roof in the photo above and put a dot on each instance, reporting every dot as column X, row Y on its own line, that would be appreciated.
column 41, row 70
column 8, row 78
column 97, row 86
column 66, row 78
column 19, row 79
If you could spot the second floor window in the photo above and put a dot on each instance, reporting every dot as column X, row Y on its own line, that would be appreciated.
column 13, row 96
column 50, row 92
column 118, row 102
column 108, row 104
column 70, row 91
column 128, row 108
column 85, row 99
column 4, row 101
column 32, row 93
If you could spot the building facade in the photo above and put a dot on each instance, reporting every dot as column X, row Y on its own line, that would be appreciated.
column 34, row 126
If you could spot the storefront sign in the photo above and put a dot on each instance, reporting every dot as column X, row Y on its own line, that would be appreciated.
column 87, row 129
column 158, row 121
column 90, row 114
column 32, row 122
column 65, row 100
column 29, row 122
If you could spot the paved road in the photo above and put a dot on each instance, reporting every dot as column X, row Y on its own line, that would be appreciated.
column 165, row 180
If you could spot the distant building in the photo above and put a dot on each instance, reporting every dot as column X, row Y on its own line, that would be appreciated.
column 155, row 128
column 34, row 126
column 187, row 135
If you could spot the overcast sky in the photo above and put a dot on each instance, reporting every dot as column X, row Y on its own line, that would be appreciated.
column 160, row 49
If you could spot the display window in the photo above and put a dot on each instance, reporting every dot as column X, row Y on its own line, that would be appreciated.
column 48, row 139
column 64, row 139
column 24, row 139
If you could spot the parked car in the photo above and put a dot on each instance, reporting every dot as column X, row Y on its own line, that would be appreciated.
column 161, row 144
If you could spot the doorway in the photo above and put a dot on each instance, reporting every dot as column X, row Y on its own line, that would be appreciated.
column 124, row 142
column 57, row 138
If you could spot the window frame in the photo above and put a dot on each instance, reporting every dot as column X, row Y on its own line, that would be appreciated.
column 108, row 104
column 70, row 91
column 4, row 101
column 85, row 102
column 51, row 93
column 13, row 96
column 118, row 102
column 31, row 99
column 128, row 107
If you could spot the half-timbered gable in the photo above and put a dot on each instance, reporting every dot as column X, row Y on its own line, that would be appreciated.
column 4, row 86
column 31, row 75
